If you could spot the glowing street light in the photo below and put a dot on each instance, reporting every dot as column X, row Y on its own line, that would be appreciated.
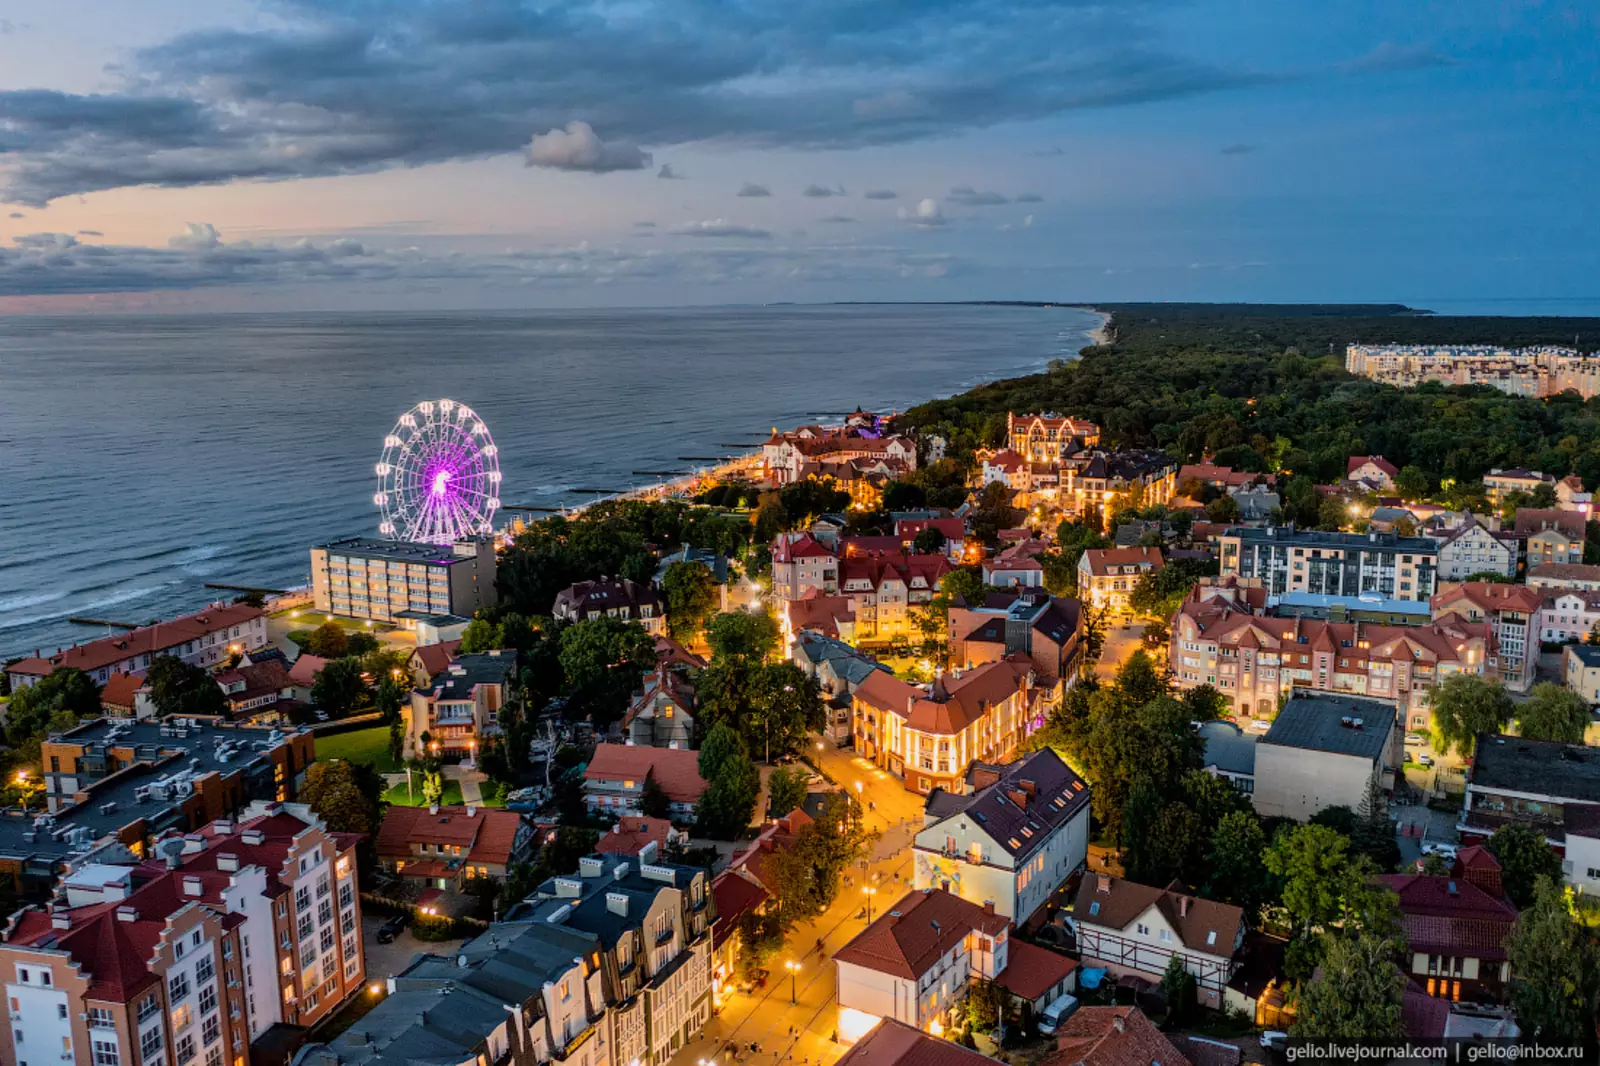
column 869, row 892
column 374, row 988
column 794, row 980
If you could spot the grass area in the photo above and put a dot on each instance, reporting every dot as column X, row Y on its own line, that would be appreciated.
column 397, row 796
column 361, row 745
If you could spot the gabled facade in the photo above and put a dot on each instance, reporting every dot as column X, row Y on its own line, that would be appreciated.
column 442, row 846
column 1512, row 613
column 1471, row 549
column 1456, row 926
column 204, row 638
column 1046, row 438
column 661, row 714
column 620, row 598
column 1106, row 576
column 460, row 708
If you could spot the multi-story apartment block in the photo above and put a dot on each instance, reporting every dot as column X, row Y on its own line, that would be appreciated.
column 928, row 735
column 1009, row 839
column 618, row 598
column 1048, row 629
column 1106, row 576
column 1550, row 535
column 1285, row 559
column 360, row 577
column 1499, row 484
column 1517, row 371
column 1565, row 575
column 459, row 708
column 1324, row 750
column 885, row 588
column 1093, row 482
column 1049, row 438
column 1542, row 784
column 1572, row 496
column 803, row 566
column 1580, row 671
column 1513, row 613
column 653, row 923
column 189, row 957
column 1569, row 615
column 1472, row 549
column 204, row 638
column 522, row 993
column 1135, row 930
column 1254, row 660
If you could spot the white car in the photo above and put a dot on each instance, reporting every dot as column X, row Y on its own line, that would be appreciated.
column 1259, row 725
column 1424, row 759
column 1441, row 848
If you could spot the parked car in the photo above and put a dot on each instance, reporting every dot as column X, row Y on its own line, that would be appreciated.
column 1259, row 725
column 391, row 928
column 1444, row 849
column 1059, row 1010
column 1425, row 759
column 1415, row 737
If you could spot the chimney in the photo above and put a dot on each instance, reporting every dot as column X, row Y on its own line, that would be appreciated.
column 1102, row 882
column 1019, row 797
column 433, row 808
column 222, row 827
column 227, row 861
column 252, row 836
column 1118, row 1024
column 191, row 886
column 1454, row 891
column 127, row 914
column 988, row 906
column 1183, row 906
column 61, row 920
column 472, row 812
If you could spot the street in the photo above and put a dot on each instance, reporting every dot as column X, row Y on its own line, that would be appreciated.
column 1121, row 642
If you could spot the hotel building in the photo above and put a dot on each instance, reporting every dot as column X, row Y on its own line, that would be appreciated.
column 1285, row 559
column 379, row 579
column 204, row 638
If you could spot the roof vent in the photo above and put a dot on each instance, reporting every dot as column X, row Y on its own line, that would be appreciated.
column 191, row 886
column 127, row 914
column 1452, row 889
column 252, row 836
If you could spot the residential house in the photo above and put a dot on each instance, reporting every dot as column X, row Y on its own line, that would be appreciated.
column 928, row 735
column 1512, row 612
column 833, row 617
column 661, row 713
column 915, row 963
column 1386, row 519
column 839, row 669
column 460, row 708
column 1007, row 468
column 954, row 531
column 1456, row 926
column 520, row 993
column 1256, row 503
column 1009, row 570
column 442, row 846
column 126, row 696
column 1222, row 478
column 1109, row 575
column 1499, row 484
column 304, row 670
column 1135, row 930
column 619, row 598
column 653, row 923
column 1115, row 1036
column 1048, row 629
column 1049, row 438
column 1550, row 535
column 634, row 835
column 786, row 455
column 1565, row 575
column 1568, row 615
column 803, row 566
column 1255, row 660
column 190, row 956
column 1093, row 483
column 1034, row 978
column 1372, row 468
column 711, row 559
column 426, row 662
column 1530, row 782
column 886, row 588
column 204, row 638
column 1324, row 750
column 1580, row 671
column 1012, row 839
column 1572, row 496
column 1285, row 559
column 257, row 689
column 894, row 1043
column 613, row 783
column 1470, row 549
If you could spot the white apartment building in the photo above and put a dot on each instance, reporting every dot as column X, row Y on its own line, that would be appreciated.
column 361, row 577
column 204, row 638
column 1471, row 549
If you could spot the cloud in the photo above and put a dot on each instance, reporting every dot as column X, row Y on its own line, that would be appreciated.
column 718, row 227
column 1007, row 227
column 836, row 219
column 1030, row 198
column 894, row 104
column 1238, row 149
column 90, row 233
column 926, row 215
column 18, row 214
column 880, row 194
column 967, row 196
column 822, row 191
column 1046, row 153
column 197, row 237
column 1391, row 55
column 578, row 147
column 666, row 172
column 645, row 225
column 752, row 189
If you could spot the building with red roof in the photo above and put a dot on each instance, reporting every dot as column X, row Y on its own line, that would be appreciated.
column 1512, row 614
column 1113, row 1036
column 1374, row 469
column 191, row 956
column 1456, row 927
column 204, row 638
column 426, row 662
column 445, row 845
column 119, row 697
column 893, row 1043
column 928, row 735
column 954, row 531
column 633, row 833
column 1049, row 438
column 802, row 566
column 613, row 782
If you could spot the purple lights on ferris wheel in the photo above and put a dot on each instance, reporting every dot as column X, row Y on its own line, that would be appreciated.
column 439, row 475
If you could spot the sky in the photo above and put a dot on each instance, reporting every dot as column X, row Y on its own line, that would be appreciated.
column 169, row 155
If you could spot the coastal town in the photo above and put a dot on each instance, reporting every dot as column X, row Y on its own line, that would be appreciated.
column 961, row 735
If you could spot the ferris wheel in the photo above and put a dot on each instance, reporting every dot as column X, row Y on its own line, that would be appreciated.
column 439, row 476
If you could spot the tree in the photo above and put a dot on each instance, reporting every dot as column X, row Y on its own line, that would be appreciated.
column 1553, row 712
column 653, row 799
column 1355, row 995
column 1413, row 483
column 1372, row 833
column 786, row 790
column 30, row 710
column 1205, row 703
column 328, row 641
column 1224, row 509
column 361, row 644
column 760, row 938
column 1311, row 860
column 397, row 739
column 729, row 801
column 690, row 592
column 334, row 789
column 785, row 704
column 810, row 870
column 993, row 512
column 339, row 687
column 604, row 661
column 1237, row 875
column 1555, row 970
column 481, row 635
column 928, row 541
column 1524, row 857
column 964, row 583
column 1179, row 990
column 432, row 787
column 1161, row 592
column 1464, row 706
column 1333, row 514
column 747, row 635
column 177, row 687
column 985, row 1000
column 721, row 745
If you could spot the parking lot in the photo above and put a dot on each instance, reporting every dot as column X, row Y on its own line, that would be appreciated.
column 387, row 960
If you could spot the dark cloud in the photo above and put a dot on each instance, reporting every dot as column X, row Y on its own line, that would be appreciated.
column 880, row 194
column 578, row 147
column 346, row 86
column 1030, row 198
column 1238, row 149
column 967, row 196
column 822, row 191
column 667, row 173
column 752, row 189
column 90, row 233
column 718, row 227
column 645, row 225
column 836, row 219
column 18, row 214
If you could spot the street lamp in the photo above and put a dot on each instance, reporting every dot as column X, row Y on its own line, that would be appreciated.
column 22, row 783
column 794, row 980
column 869, row 892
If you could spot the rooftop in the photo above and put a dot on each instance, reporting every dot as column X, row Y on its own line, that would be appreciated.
column 892, row 1043
column 1317, row 538
column 608, row 896
column 677, row 771
column 1112, row 1036
column 910, row 938
column 1327, row 721
column 403, row 551
column 1024, row 803
column 146, row 640
column 1228, row 747
column 1541, row 767
column 466, row 672
column 1201, row 924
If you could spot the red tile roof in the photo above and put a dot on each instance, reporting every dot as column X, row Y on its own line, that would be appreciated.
column 820, row 614
column 677, row 771
column 914, row 934
column 1098, row 560
column 1530, row 520
column 434, row 659
column 120, row 690
column 952, row 528
column 892, row 1043
column 805, row 546
column 734, row 896
column 1220, row 475
column 669, row 651
column 1489, row 597
column 954, row 702
column 489, row 836
column 632, row 833
column 147, row 640
column 1451, row 915
column 1358, row 461
column 1201, row 924
column 306, row 668
column 1031, row 971
column 1112, row 1036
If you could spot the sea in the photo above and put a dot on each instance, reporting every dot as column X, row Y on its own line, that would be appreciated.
column 142, row 457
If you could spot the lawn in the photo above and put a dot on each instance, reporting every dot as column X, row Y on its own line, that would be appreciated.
column 452, row 794
column 360, row 745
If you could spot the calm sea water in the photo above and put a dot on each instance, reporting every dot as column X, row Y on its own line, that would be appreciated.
column 145, row 456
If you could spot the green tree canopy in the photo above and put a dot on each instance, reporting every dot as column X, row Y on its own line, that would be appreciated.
column 482, row 635
column 690, row 592
column 345, row 795
column 1524, row 857
column 328, row 641
column 962, row 583
column 1553, row 712
column 339, row 687
column 604, row 660
column 1310, row 859
column 30, row 709
column 1237, row 875
column 928, row 541
column 1555, row 970
column 1356, row 993
column 786, row 790
column 721, row 746
column 748, row 635
column 1464, row 706
column 177, row 687
column 785, row 704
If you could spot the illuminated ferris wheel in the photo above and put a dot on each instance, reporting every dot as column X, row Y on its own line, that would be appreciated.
column 439, row 476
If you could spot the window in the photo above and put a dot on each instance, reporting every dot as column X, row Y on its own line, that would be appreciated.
column 227, row 949
column 99, row 1017
column 208, row 999
column 1142, row 929
column 327, row 938
column 214, row 1057
column 1094, row 908
column 205, row 971
column 211, row 1030
column 61, row 1010
column 1211, row 937
column 148, row 1007
column 185, row 1049
column 194, row 938
column 347, row 894
column 150, row 1044
column 302, row 898
column 182, row 1017
column 177, row 986
column 1166, row 936
column 105, row 1053
column 324, row 912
